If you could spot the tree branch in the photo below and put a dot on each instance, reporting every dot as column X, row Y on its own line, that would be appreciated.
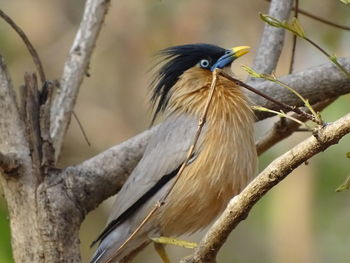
column 102, row 176
column 272, row 39
column 13, row 145
column 240, row 206
column 75, row 68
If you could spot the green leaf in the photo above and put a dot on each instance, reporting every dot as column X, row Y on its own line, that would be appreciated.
column 251, row 72
column 344, row 186
column 281, row 114
column 293, row 26
column 272, row 21
column 345, row 1
column 255, row 74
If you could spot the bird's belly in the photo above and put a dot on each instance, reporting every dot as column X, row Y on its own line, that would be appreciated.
column 204, row 189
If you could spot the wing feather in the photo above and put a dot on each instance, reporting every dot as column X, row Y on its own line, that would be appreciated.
column 166, row 151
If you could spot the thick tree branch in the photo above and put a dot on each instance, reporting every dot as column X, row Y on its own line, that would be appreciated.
column 272, row 39
column 75, row 68
column 239, row 207
column 102, row 176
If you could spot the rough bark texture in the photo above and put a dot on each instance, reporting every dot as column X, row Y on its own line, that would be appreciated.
column 272, row 39
column 44, row 218
column 47, row 205
column 75, row 69
column 18, row 182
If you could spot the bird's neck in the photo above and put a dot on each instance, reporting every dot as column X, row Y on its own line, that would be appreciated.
column 228, row 105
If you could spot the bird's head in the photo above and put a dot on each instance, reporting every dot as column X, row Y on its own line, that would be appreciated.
column 179, row 59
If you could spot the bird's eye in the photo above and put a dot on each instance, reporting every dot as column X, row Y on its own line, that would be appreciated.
column 228, row 52
column 204, row 63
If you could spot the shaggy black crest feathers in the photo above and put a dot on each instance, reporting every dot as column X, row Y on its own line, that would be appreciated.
column 177, row 60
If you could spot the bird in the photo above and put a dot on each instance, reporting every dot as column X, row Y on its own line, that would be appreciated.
column 223, row 162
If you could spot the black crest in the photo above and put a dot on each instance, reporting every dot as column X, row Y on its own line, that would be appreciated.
column 177, row 60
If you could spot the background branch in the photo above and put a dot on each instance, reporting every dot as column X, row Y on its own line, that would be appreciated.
column 240, row 206
column 294, row 44
column 75, row 68
column 272, row 39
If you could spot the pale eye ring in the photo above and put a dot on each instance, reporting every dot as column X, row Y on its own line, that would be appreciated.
column 228, row 52
column 204, row 63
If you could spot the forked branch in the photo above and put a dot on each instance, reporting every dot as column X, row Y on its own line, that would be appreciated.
column 75, row 69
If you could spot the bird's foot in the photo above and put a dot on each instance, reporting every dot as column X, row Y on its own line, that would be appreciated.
column 159, row 243
column 173, row 241
column 161, row 252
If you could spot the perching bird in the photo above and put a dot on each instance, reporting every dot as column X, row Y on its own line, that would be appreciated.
column 223, row 162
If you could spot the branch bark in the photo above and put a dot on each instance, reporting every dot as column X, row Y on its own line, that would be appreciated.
column 272, row 39
column 86, row 183
column 18, row 183
column 75, row 68
column 55, row 205
column 12, row 135
column 240, row 206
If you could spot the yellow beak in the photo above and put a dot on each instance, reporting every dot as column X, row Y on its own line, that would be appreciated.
column 240, row 51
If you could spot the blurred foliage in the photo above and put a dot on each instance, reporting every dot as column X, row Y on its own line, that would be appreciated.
column 300, row 220
column 5, row 242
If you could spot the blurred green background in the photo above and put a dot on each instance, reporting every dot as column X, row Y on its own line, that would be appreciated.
column 300, row 220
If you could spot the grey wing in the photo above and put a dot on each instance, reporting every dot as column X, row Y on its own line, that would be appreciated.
column 165, row 152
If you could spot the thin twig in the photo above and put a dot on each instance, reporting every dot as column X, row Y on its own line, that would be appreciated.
column 81, row 128
column 161, row 202
column 283, row 128
column 28, row 44
column 332, row 58
column 295, row 27
column 280, row 104
column 291, row 65
column 320, row 19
